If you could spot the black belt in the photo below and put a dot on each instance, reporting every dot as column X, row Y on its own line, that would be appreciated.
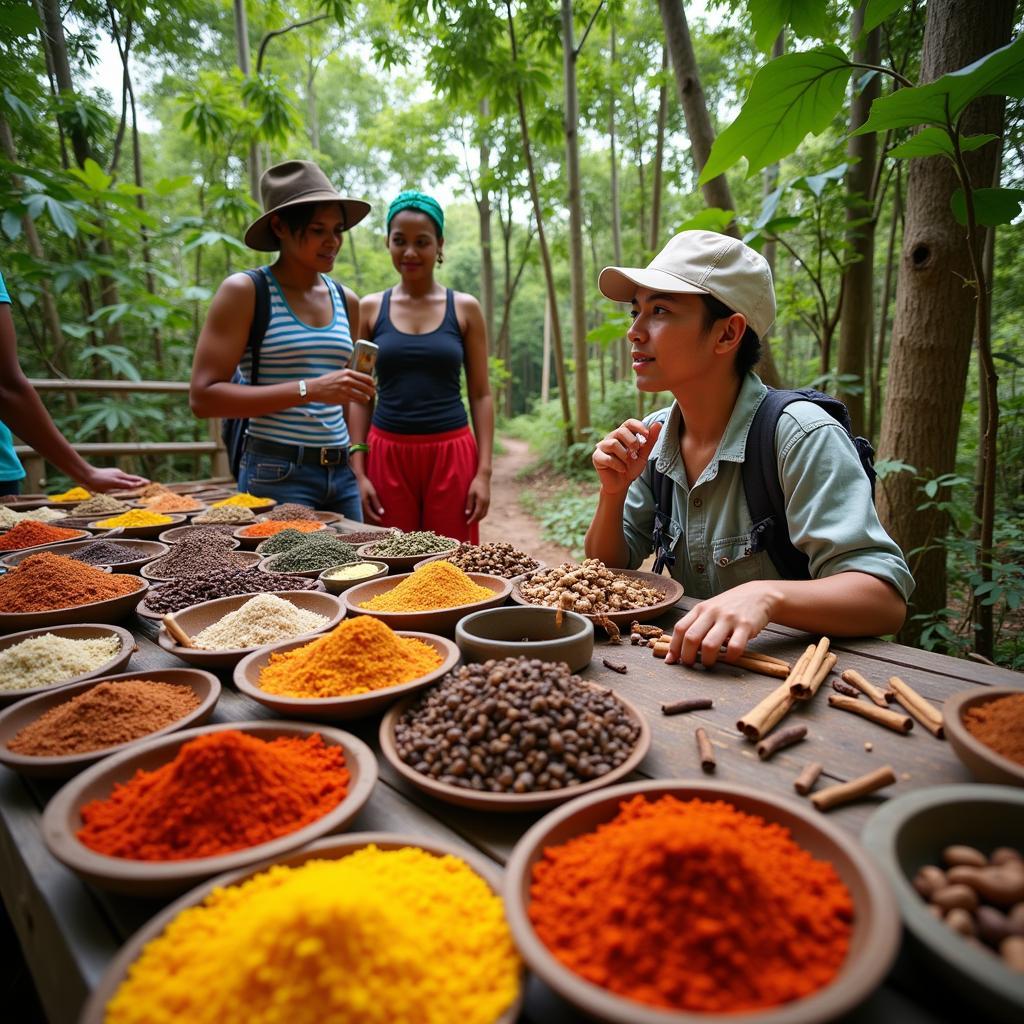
column 304, row 454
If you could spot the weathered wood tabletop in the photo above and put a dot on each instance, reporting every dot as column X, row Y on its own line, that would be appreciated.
column 70, row 931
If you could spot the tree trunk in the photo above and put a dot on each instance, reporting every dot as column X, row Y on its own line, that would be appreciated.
column 857, row 319
column 883, row 313
column 577, row 287
column 487, row 299
column 654, row 238
column 695, row 108
column 545, row 366
column 935, row 311
column 312, row 114
column 619, row 358
column 242, row 43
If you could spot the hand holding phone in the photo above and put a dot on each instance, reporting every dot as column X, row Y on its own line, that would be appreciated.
column 364, row 357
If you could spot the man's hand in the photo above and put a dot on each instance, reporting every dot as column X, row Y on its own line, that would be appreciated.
column 621, row 456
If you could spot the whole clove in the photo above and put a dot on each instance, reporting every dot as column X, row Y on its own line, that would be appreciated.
column 614, row 666
column 784, row 738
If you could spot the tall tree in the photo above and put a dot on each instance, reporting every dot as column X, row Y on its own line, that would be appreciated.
column 242, row 46
column 483, row 205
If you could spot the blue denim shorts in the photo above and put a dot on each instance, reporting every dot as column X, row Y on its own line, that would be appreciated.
column 332, row 488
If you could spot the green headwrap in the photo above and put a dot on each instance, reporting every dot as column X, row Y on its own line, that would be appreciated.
column 413, row 200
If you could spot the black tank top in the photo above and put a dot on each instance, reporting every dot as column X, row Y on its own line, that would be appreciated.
column 418, row 375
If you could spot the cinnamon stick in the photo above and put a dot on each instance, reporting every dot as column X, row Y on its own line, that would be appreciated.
column 757, row 723
column 704, row 748
column 805, row 781
column 801, row 683
column 615, row 666
column 854, row 678
column 822, row 674
column 681, row 707
column 836, row 796
column 845, row 689
column 177, row 634
column 766, row 658
column 927, row 714
column 881, row 716
column 765, row 668
column 785, row 738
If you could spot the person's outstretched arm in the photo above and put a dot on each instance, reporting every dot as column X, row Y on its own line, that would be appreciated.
column 481, row 408
column 26, row 415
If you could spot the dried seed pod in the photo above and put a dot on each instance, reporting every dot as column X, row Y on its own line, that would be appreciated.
column 952, row 896
column 960, row 920
column 1005, row 855
column 954, row 856
column 930, row 879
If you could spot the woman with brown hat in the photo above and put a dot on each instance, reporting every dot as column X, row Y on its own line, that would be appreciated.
column 290, row 381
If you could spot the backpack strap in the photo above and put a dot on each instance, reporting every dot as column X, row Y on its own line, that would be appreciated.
column 260, row 318
column 663, row 487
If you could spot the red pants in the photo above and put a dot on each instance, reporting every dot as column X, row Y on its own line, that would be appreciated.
column 422, row 480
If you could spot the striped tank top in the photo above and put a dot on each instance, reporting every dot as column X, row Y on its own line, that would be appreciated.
column 294, row 351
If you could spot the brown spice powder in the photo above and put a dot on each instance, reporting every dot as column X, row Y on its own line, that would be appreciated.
column 999, row 724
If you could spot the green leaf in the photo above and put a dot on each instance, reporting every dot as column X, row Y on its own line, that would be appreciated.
column 20, row 19
column 58, row 212
column 212, row 238
column 932, row 141
column 807, row 18
column 165, row 186
column 878, row 10
column 791, row 96
column 1000, row 73
column 992, row 206
column 17, row 107
column 711, row 218
column 92, row 175
column 11, row 222
column 816, row 183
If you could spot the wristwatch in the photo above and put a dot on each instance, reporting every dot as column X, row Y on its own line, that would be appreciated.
column 302, row 389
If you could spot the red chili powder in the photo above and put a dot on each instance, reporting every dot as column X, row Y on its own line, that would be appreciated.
column 29, row 532
column 272, row 527
column 45, row 581
column 999, row 724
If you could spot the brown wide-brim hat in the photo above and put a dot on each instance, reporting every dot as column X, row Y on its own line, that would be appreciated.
column 295, row 183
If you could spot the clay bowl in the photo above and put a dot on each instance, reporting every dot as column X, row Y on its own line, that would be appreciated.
column 146, row 613
column 336, row 709
column 508, row 803
column 177, row 534
column 249, row 543
column 265, row 505
column 147, row 550
column 243, row 560
column 195, row 619
column 267, row 565
column 515, row 579
column 979, row 758
column 113, row 609
column 671, row 590
column 334, row 848
column 31, row 549
column 911, row 830
column 86, row 631
column 441, row 620
column 322, row 517
column 340, row 586
column 203, row 507
column 500, row 632
column 397, row 563
column 141, row 532
column 873, row 944
column 62, row 818
column 13, row 720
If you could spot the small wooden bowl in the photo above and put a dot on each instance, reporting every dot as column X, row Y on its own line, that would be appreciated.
column 245, row 559
column 671, row 590
column 334, row 848
column 323, row 517
column 66, row 548
column 340, row 586
column 876, row 926
column 399, row 563
column 508, row 803
column 32, row 549
column 499, row 632
column 264, row 506
column 14, row 719
column 337, row 709
column 62, row 818
column 146, row 613
column 195, row 619
column 440, row 620
column 177, row 534
column 979, row 758
column 249, row 543
column 541, row 566
column 141, row 532
column 267, row 565
column 85, row 631
column 113, row 609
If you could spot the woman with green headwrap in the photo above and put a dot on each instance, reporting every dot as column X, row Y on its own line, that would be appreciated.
column 418, row 464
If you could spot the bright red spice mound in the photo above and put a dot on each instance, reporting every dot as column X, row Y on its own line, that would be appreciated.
column 693, row 906
column 29, row 532
column 223, row 791
column 271, row 527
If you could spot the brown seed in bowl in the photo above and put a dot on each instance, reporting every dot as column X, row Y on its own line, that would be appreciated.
column 953, row 896
column 957, row 855
column 960, row 920
column 929, row 880
column 1012, row 952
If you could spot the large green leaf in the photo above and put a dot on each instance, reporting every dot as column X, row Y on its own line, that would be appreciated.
column 817, row 183
column 878, row 10
column 58, row 212
column 93, row 175
column 791, row 96
column 711, row 218
column 11, row 223
column 18, row 18
column 807, row 18
column 932, row 141
column 999, row 73
column 992, row 206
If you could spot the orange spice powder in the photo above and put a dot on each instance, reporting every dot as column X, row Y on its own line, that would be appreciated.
column 272, row 527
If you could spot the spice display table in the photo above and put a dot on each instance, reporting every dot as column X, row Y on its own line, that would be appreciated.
column 69, row 931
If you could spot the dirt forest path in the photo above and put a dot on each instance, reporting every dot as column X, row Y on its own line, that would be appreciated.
column 507, row 520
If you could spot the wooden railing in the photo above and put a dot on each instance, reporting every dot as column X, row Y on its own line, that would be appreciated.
column 35, row 465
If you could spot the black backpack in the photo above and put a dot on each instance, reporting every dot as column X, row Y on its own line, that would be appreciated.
column 765, row 500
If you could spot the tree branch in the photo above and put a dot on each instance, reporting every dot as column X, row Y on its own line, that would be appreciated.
column 280, row 32
column 590, row 25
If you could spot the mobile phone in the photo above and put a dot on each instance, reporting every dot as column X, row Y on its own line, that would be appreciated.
column 364, row 357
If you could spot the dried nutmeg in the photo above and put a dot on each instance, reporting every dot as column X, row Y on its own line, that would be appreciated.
column 960, row 920
column 953, row 896
column 957, row 855
column 1005, row 855
column 929, row 880
column 1002, row 885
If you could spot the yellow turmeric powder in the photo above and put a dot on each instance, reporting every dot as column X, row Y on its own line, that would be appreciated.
column 137, row 517
column 358, row 656
column 243, row 500
column 75, row 494
column 433, row 586
column 378, row 936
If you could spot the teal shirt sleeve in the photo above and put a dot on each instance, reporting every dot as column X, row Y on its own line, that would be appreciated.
column 4, row 297
column 831, row 515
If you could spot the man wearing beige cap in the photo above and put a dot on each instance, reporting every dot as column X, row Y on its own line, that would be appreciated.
column 699, row 310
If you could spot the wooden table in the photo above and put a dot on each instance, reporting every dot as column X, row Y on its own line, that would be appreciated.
column 70, row 931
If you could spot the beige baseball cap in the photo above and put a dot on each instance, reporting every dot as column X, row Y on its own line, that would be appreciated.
column 702, row 263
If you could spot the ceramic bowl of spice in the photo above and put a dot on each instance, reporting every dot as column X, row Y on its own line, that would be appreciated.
column 177, row 534
column 425, row 914
column 56, row 735
column 252, row 502
column 496, row 559
column 530, row 632
column 429, row 600
column 985, row 728
column 225, row 630
column 41, row 660
column 49, row 590
column 734, row 904
column 138, row 522
column 309, row 556
column 124, row 555
column 123, row 825
column 30, row 534
column 339, row 578
column 196, row 559
column 292, row 510
column 356, row 669
column 574, row 736
column 401, row 551
column 255, row 533
column 923, row 828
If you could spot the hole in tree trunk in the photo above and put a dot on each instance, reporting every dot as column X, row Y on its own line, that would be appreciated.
column 920, row 255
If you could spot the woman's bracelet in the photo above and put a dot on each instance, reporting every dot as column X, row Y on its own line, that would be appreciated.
column 359, row 448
